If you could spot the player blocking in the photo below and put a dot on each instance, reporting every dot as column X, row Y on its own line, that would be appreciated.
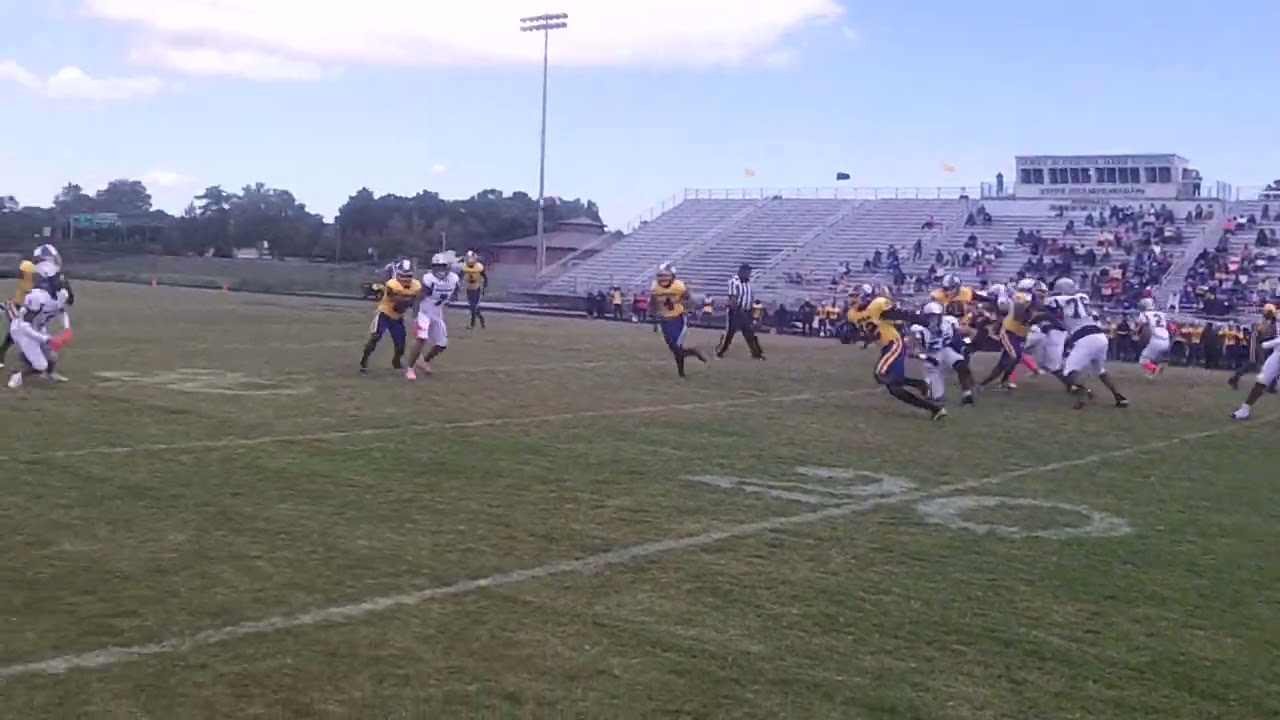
column 399, row 293
column 41, row 296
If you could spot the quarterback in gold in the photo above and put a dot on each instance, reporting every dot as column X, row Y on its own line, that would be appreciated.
column 398, row 296
column 668, row 297
column 475, row 281
column 875, row 317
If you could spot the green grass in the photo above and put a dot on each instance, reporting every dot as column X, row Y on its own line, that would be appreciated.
column 137, row 511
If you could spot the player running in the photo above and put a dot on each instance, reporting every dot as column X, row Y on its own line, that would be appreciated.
column 438, row 287
column 1270, row 372
column 1154, row 326
column 1089, row 343
column 940, row 344
column 476, row 282
column 399, row 294
column 29, row 328
column 668, row 298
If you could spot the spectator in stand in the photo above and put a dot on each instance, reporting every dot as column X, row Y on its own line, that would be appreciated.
column 917, row 250
column 929, row 224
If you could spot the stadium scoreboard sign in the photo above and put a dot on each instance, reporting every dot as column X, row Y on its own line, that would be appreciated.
column 1153, row 177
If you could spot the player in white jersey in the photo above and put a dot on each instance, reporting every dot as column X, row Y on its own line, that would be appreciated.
column 29, row 329
column 1270, row 372
column 1089, row 343
column 1154, row 326
column 1001, row 296
column 939, row 344
column 438, row 288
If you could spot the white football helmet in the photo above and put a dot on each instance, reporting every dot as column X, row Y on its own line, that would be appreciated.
column 440, row 265
column 1146, row 304
column 1026, row 285
column 402, row 269
column 1064, row 286
column 47, row 253
column 932, row 308
column 950, row 282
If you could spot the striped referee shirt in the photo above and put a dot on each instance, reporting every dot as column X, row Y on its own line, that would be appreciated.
column 740, row 292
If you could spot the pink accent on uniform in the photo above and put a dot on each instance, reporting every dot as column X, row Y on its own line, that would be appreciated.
column 1031, row 364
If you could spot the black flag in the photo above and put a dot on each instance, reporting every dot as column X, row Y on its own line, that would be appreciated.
column 842, row 176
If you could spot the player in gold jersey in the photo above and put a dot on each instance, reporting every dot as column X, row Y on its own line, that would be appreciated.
column 668, row 298
column 876, row 317
column 475, row 281
column 398, row 296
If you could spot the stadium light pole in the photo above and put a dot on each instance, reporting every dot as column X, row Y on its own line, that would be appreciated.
column 543, row 24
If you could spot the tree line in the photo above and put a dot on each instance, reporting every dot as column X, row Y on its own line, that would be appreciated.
column 120, row 218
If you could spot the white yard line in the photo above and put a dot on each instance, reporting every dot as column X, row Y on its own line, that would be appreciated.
column 233, row 442
column 109, row 656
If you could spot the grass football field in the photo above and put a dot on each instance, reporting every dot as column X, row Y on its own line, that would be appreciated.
column 219, row 518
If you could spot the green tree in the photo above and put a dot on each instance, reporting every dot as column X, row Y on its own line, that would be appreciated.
column 72, row 200
column 124, row 197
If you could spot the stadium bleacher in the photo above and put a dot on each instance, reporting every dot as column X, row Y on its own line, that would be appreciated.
column 820, row 245
column 1240, row 264
column 1003, row 231
column 688, row 225
column 708, row 238
column 780, row 227
column 875, row 225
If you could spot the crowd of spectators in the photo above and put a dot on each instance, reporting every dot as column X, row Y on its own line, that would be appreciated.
column 1225, row 281
column 1118, row 254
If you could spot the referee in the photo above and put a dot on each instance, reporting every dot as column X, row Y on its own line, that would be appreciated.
column 739, row 321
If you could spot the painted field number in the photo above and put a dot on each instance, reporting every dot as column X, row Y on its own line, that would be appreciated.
column 830, row 486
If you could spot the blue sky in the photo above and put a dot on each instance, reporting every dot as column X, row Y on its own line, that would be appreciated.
column 402, row 95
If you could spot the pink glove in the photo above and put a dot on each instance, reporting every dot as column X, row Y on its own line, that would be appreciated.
column 57, row 341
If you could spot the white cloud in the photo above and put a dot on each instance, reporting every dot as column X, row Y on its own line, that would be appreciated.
column 300, row 38
column 439, row 169
column 73, row 83
column 210, row 61
column 165, row 179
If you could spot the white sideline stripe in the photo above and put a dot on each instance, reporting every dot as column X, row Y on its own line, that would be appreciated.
column 483, row 422
column 345, row 613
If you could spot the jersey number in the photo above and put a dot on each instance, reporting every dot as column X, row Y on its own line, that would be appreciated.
column 870, row 329
column 441, row 299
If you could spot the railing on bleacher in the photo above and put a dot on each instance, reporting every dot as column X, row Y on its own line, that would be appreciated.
column 836, row 193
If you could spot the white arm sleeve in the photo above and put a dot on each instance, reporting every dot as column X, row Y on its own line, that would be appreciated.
column 1271, row 344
